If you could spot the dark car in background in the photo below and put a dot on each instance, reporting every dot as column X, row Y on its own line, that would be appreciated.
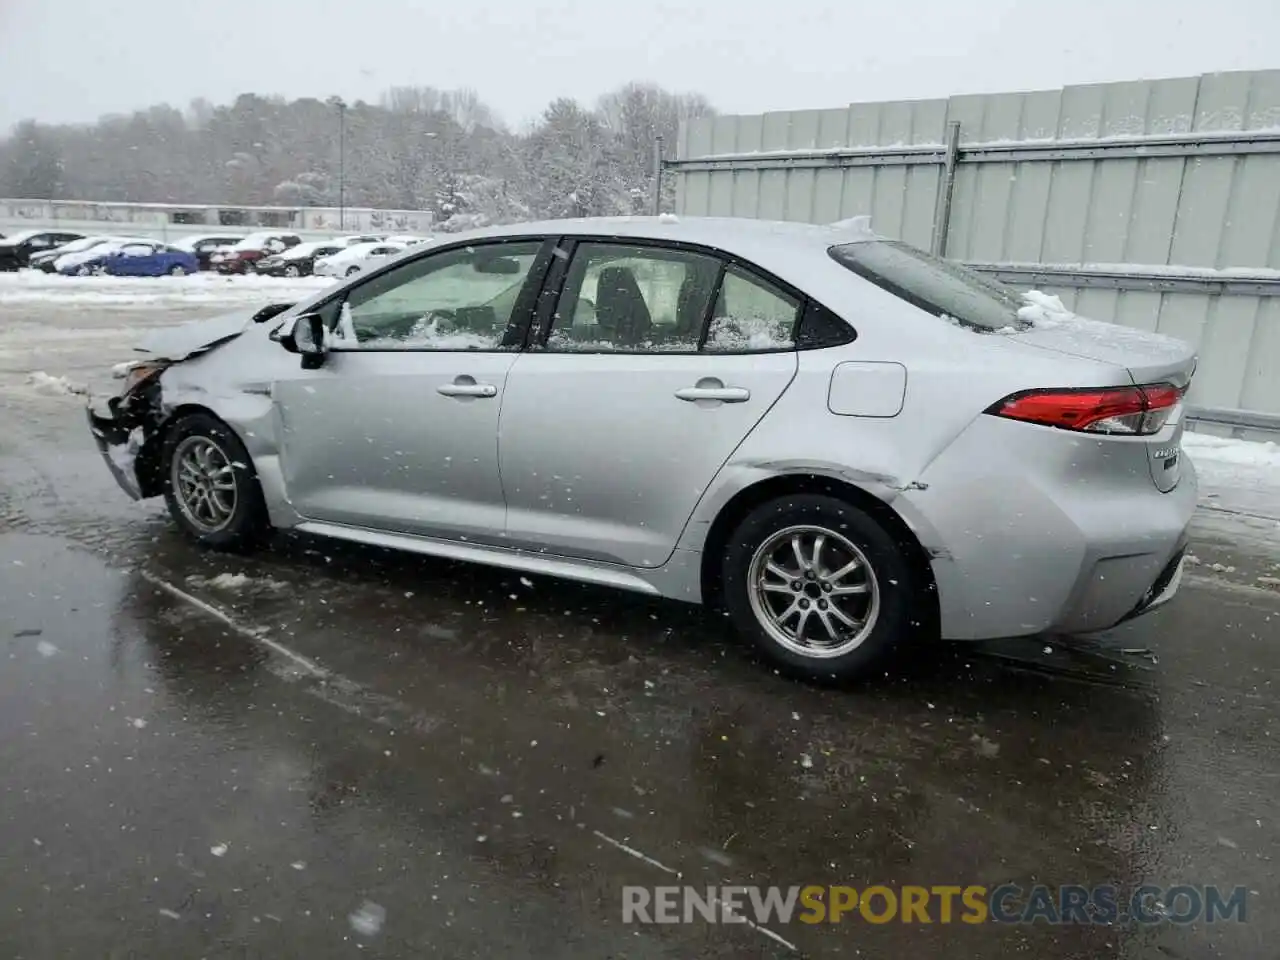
column 16, row 251
column 205, row 245
column 299, row 261
column 243, row 257
column 46, row 260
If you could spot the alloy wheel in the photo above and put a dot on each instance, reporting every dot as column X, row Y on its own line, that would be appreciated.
column 813, row 591
column 204, row 481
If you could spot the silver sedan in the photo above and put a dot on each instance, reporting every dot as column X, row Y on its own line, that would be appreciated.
column 842, row 441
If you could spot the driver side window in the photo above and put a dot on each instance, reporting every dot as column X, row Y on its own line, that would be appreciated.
column 461, row 299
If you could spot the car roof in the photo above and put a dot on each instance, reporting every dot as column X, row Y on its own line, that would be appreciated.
column 748, row 237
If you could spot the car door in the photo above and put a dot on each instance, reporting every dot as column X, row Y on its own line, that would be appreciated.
column 133, row 260
column 653, row 366
column 398, row 430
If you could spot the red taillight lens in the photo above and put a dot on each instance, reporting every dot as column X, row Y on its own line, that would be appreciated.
column 1136, row 411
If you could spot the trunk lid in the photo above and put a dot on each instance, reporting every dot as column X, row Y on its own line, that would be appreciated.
column 1148, row 358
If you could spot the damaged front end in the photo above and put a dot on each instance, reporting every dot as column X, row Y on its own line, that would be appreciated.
column 126, row 428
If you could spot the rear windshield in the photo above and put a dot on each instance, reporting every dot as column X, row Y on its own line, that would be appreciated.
column 940, row 287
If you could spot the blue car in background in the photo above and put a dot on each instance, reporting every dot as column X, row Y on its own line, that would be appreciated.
column 136, row 259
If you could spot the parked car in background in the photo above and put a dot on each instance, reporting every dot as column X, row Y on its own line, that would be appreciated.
column 134, row 258
column 351, row 239
column 408, row 239
column 46, row 259
column 17, row 250
column 844, row 442
column 66, row 261
column 352, row 260
column 243, row 256
column 298, row 261
column 204, row 245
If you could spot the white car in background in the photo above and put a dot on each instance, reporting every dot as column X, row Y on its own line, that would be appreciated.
column 408, row 239
column 353, row 260
column 68, row 262
column 352, row 239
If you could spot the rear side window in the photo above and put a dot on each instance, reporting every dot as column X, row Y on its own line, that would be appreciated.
column 944, row 289
column 751, row 314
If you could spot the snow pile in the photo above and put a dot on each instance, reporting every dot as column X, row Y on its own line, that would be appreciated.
column 1043, row 310
column 33, row 286
column 235, row 582
column 1237, row 475
column 52, row 386
column 1262, row 456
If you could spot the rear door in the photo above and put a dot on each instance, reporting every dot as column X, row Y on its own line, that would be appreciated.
column 651, row 368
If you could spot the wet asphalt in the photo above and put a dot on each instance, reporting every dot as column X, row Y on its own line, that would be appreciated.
column 329, row 751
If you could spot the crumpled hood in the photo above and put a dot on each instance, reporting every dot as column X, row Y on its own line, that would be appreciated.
column 178, row 343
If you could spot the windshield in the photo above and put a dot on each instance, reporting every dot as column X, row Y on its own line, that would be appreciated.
column 17, row 238
column 941, row 287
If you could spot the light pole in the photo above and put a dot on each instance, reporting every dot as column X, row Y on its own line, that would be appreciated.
column 342, row 162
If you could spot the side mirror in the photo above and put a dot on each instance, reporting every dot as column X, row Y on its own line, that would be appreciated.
column 309, row 339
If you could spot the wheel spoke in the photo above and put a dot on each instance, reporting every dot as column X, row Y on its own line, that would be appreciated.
column 844, row 571
column 775, row 587
column 803, row 622
column 844, row 618
column 818, row 543
column 825, row 617
column 854, row 588
column 778, row 572
column 786, row 614
column 797, row 547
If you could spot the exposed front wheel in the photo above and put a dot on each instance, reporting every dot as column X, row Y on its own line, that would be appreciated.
column 292, row 271
column 177, row 270
column 818, row 585
column 352, row 271
column 210, row 485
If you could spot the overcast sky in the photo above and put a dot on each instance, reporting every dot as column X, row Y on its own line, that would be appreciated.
column 73, row 60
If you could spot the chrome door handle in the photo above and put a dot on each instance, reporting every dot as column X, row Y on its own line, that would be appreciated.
column 724, row 394
column 467, row 387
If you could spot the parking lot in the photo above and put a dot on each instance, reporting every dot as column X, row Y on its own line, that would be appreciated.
column 330, row 750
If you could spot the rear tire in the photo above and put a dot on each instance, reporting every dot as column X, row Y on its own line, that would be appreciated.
column 292, row 271
column 210, row 485
column 819, row 586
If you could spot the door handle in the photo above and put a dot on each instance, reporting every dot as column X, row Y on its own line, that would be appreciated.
column 465, row 386
column 723, row 394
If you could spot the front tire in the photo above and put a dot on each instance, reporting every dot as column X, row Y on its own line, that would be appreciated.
column 292, row 271
column 352, row 271
column 210, row 485
column 177, row 270
column 820, row 587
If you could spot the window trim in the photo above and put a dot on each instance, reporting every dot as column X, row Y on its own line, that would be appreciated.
column 522, row 313
column 554, row 290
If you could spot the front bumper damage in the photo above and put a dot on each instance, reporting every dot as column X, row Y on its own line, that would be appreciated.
column 125, row 429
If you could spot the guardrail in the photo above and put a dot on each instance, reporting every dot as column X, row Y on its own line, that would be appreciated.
column 1238, row 421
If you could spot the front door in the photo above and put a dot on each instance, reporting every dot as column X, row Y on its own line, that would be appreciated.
column 657, row 364
column 398, row 430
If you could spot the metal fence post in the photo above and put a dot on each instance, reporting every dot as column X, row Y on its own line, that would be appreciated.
column 946, row 187
column 657, row 175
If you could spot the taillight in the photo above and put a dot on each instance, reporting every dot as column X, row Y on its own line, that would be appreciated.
column 1134, row 411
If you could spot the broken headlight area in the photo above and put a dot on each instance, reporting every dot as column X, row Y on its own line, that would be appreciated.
column 126, row 428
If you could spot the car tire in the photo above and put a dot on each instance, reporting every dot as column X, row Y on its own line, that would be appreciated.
column 292, row 271
column 352, row 271
column 249, row 267
column 210, row 485
column 84, row 272
column 177, row 270
column 856, row 602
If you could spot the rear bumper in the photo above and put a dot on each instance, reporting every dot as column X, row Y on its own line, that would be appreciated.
column 1018, row 552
